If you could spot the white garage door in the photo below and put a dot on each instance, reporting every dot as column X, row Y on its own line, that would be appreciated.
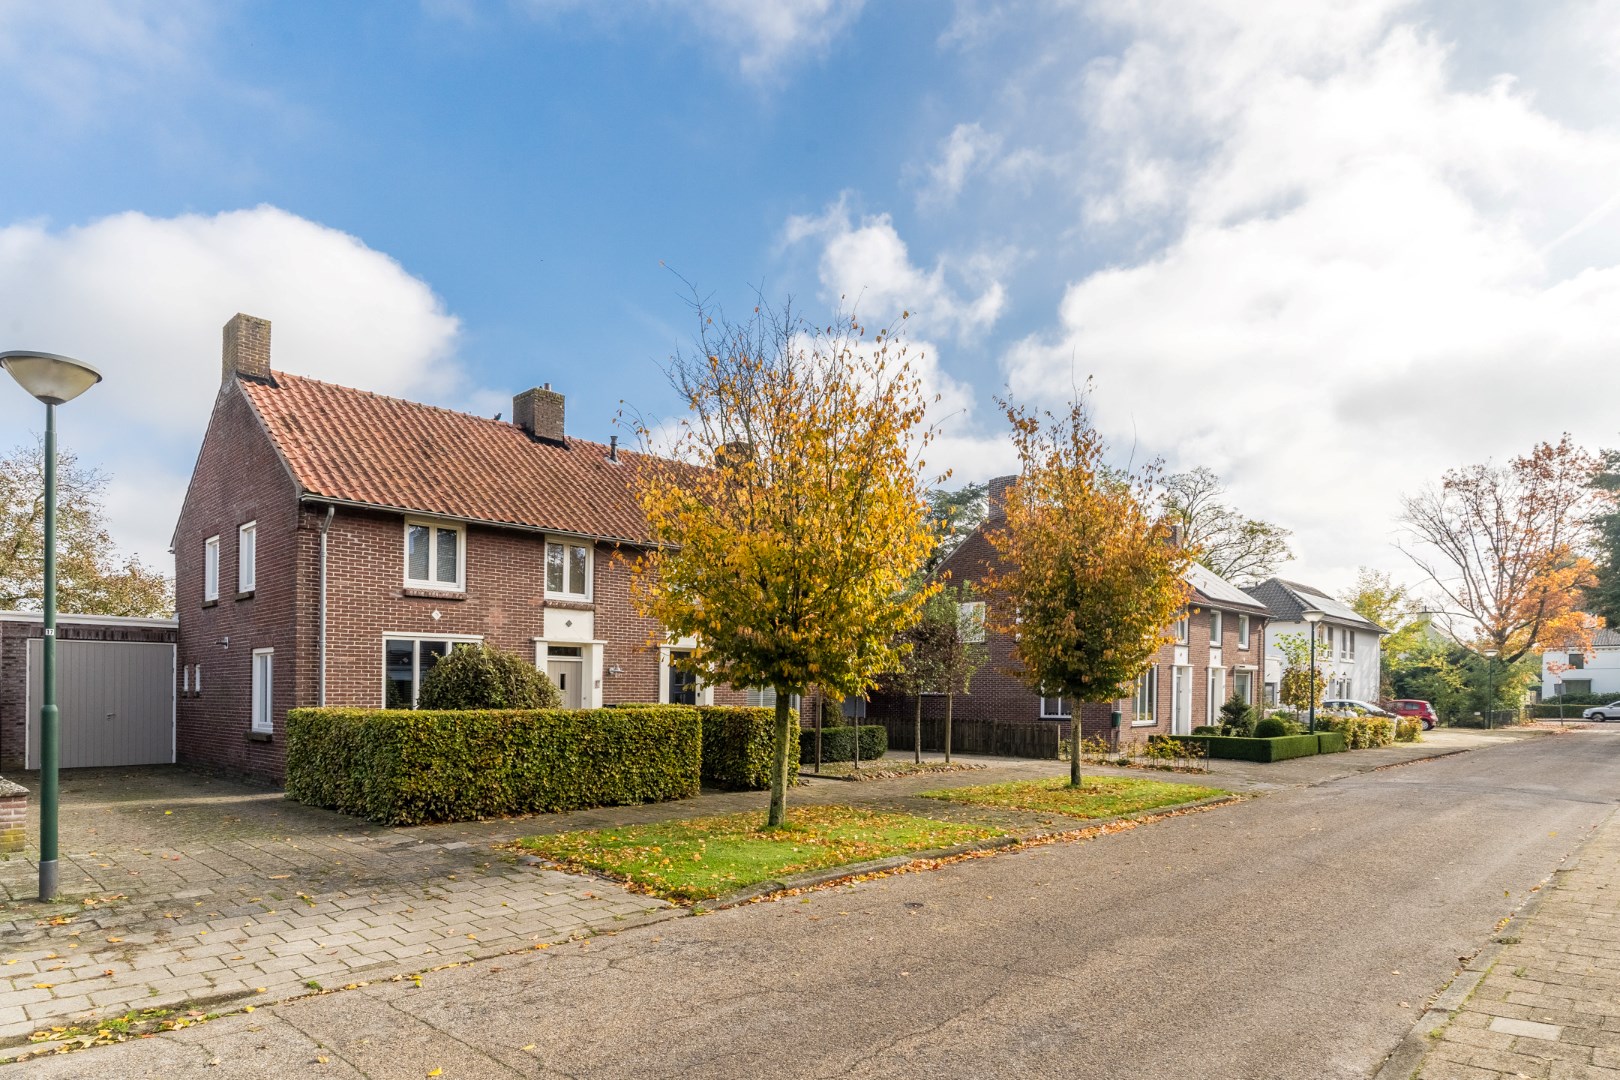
column 116, row 702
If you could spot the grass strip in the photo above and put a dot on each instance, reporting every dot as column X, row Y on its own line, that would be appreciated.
column 701, row 858
column 1097, row 797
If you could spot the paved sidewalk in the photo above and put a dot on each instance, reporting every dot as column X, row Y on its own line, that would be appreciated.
column 208, row 892
column 1548, row 1001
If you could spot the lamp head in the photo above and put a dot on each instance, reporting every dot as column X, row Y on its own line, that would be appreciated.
column 1487, row 653
column 51, row 378
column 1313, row 615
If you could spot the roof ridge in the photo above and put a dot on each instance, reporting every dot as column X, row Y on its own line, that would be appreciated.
column 503, row 424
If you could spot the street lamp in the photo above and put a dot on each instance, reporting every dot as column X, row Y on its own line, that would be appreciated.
column 1312, row 616
column 55, row 380
column 1490, row 686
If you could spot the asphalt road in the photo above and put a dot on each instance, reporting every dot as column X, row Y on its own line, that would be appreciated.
column 1294, row 935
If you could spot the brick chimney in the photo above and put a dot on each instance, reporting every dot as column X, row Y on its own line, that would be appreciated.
column 540, row 413
column 247, row 348
column 996, row 497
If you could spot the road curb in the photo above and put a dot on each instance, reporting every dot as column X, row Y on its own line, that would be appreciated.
column 1407, row 1057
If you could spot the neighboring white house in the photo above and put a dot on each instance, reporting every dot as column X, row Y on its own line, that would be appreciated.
column 1596, row 671
column 1347, row 646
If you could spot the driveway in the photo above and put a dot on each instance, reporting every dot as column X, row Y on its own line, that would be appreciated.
column 1292, row 936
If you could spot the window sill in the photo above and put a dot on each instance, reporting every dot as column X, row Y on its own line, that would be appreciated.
column 423, row 592
column 580, row 603
column 260, row 736
column 248, row 595
column 210, row 603
column 1144, row 723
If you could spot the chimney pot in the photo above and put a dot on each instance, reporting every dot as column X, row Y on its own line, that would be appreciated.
column 613, row 448
column 540, row 413
column 246, row 352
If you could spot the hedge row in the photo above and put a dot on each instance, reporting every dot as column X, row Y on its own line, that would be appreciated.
column 402, row 767
column 739, row 744
column 838, row 743
column 1330, row 742
column 1238, row 748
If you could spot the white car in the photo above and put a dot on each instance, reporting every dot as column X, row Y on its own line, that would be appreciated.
column 1351, row 705
column 1608, row 712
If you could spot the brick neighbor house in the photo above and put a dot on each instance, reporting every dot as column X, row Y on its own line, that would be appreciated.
column 334, row 543
column 1219, row 651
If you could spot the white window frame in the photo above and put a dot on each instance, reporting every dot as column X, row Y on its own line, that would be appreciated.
column 1215, row 692
column 247, row 569
column 566, row 542
column 262, row 692
column 1064, row 710
column 416, row 658
column 432, row 581
column 185, row 681
column 1147, row 688
column 210, row 569
column 1217, row 627
column 196, row 682
column 1349, row 639
column 1243, row 632
column 1180, row 629
column 1241, row 681
column 970, row 621
column 705, row 692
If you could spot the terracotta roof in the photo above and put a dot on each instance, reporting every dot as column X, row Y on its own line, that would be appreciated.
column 360, row 447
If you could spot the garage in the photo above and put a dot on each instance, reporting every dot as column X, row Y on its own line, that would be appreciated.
column 114, row 688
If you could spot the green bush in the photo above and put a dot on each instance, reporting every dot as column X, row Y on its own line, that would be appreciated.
column 484, row 677
column 1235, row 748
column 1270, row 728
column 1238, row 717
column 402, row 767
column 838, row 743
column 1330, row 742
column 1408, row 731
column 738, row 745
column 1206, row 729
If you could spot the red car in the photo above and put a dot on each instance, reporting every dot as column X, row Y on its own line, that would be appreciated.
column 1412, row 709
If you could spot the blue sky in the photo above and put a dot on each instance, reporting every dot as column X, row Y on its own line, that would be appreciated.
column 1326, row 248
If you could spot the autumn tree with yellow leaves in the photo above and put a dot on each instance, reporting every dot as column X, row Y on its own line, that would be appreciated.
column 1090, row 583
column 790, row 518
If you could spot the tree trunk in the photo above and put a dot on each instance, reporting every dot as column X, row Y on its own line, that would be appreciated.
column 916, row 747
column 1074, row 747
column 950, row 700
column 779, row 768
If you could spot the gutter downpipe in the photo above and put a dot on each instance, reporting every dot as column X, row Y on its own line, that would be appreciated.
column 325, row 525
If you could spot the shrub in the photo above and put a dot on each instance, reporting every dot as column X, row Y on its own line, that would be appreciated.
column 1262, row 750
column 1270, row 728
column 1238, row 717
column 1206, row 729
column 402, row 767
column 1408, row 731
column 1330, row 742
column 484, row 677
column 838, row 743
column 738, row 745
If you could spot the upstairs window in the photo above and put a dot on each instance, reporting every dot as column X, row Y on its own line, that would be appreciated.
column 211, row 569
column 1577, row 661
column 970, row 621
column 1243, row 631
column 1349, row 644
column 1215, row 629
column 1181, row 630
column 247, row 556
column 434, row 555
column 568, row 570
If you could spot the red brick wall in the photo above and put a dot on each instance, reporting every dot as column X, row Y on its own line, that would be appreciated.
column 14, row 638
column 238, row 478
column 13, row 821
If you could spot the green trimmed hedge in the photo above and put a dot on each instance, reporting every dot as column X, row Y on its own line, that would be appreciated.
column 838, row 743
column 738, row 745
column 1330, row 742
column 403, row 767
column 1238, row 748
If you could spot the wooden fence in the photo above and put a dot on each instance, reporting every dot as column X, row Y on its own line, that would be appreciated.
column 999, row 738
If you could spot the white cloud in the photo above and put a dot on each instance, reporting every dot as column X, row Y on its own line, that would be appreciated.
column 967, row 150
column 144, row 299
column 1374, row 271
column 865, row 265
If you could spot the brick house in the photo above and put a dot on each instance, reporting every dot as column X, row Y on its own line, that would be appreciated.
column 1219, row 651
column 334, row 543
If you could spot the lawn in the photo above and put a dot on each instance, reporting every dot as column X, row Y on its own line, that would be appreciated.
column 1099, row 797
column 702, row 858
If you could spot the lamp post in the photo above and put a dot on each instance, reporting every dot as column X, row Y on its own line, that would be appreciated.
column 1312, row 616
column 54, row 380
column 1490, row 686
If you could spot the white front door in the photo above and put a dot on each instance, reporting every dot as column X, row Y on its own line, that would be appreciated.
column 566, row 674
column 1181, row 700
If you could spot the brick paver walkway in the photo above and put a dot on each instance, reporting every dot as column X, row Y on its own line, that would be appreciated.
column 1548, row 1004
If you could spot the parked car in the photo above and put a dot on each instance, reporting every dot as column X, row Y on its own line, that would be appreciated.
column 1366, row 708
column 1608, row 712
column 1412, row 709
